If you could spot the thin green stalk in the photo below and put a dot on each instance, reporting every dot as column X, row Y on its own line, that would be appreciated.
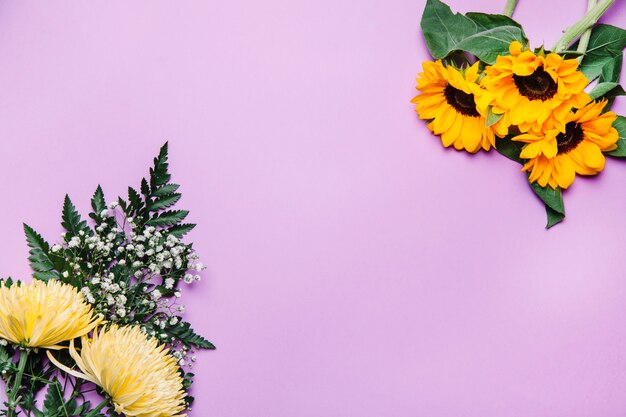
column 590, row 19
column 584, row 39
column 509, row 8
column 17, row 384
column 96, row 410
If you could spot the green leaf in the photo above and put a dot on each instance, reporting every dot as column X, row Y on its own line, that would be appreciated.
column 620, row 126
column 71, row 218
column 604, row 53
column 53, row 403
column 159, row 174
column 165, row 190
column 46, row 275
column 183, row 332
column 553, row 200
column 98, row 205
column 483, row 35
column 510, row 148
column 607, row 90
column 554, row 217
column 181, row 229
column 612, row 69
column 39, row 257
column 168, row 218
column 493, row 118
column 6, row 363
column 145, row 188
column 163, row 202
column 135, row 203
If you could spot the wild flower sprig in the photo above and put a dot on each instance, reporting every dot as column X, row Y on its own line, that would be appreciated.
column 130, row 265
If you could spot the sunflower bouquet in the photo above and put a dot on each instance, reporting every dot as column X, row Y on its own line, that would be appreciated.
column 99, row 330
column 548, row 110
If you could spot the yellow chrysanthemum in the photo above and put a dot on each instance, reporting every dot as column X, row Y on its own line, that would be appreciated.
column 140, row 376
column 530, row 89
column 44, row 314
column 456, row 105
column 554, row 157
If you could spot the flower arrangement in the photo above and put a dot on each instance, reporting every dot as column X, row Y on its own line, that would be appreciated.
column 102, row 316
column 487, row 88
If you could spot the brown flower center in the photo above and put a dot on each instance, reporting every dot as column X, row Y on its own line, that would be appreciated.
column 461, row 101
column 571, row 138
column 537, row 86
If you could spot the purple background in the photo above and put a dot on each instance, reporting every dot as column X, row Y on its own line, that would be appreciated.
column 356, row 267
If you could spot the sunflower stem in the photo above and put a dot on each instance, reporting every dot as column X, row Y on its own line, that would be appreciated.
column 584, row 24
column 584, row 39
column 509, row 8
column 13, row 400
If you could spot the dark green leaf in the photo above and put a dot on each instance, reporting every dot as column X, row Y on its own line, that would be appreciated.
column 39, row 254
column 163, row 202
column 165, row 190
column 553, row 200
column 604, row 53
column 183, row 332
column 607, row 90
column 168, row 218
column 181, row 229
column 53, row 403
column 554, row 217
column 485, row 36
column 159, row 174
column 135, row 203
column 510, row 148
column 620, row 126
column 612, row 69
column 46, row 275
column 71, row 218
column 98, row 205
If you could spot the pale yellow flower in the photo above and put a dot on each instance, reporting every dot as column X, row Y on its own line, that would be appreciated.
column 139, row 375
column 43, row 314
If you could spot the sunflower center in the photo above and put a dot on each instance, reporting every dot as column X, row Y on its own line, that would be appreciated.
column 537, row 86
column 461, row 101
column 569, row 140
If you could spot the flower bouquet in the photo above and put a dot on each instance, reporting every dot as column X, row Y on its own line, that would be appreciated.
column 102, row 318
column 487, row 88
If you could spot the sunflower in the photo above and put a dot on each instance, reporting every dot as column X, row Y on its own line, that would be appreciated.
column 141, row 378
column 456, row 106
column 44, row 314
column 529, row 88
column 555, row 157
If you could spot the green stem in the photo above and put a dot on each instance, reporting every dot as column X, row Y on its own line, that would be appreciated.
column 584, row 39
column 96, row 410
column 587, row 22
column 509, row 8
column 17, row 384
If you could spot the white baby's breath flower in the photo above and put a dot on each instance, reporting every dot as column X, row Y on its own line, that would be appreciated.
column 169, row 283
column 104, row 213
column 188, row 278
column 156, row 295
column 55, row 248
column 65, row 274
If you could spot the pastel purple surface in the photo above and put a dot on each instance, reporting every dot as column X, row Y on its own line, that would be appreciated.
column 356, row 267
